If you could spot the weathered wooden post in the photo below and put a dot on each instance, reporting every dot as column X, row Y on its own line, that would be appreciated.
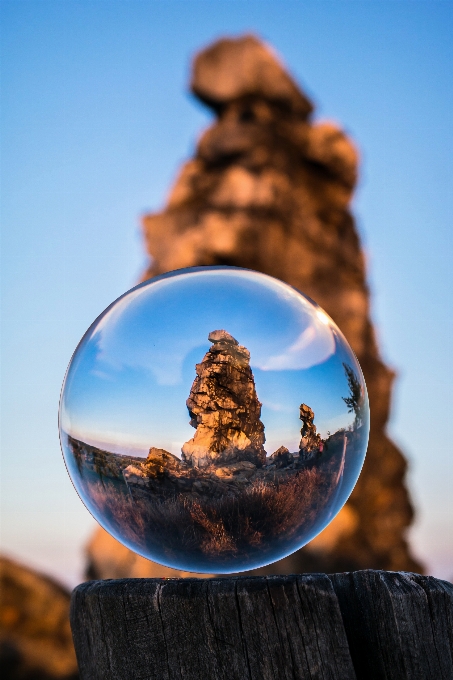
column 364, row 625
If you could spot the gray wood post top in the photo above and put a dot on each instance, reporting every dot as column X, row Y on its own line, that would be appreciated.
column 359, row 625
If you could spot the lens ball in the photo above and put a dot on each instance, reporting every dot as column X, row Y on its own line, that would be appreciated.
column 214, row 419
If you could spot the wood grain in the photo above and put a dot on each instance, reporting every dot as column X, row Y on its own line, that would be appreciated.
column 363, row 625
column 398, row 624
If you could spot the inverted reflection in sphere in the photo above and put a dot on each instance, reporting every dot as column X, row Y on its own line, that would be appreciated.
column 214, row 419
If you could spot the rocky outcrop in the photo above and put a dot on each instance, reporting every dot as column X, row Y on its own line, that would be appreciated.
column 162, row 475
column 35, row 636
column 269, row 189
column 310, row 442
column 282, row 457
column 215, row 480
column 107, row 558
column 231, row 70
column 224, row 408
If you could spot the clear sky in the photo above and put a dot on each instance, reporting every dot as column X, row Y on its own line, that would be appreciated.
column 128, row 382
column 96, row 120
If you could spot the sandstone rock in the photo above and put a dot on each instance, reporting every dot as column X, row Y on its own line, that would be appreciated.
column 133, row 474
column 224, row 407
column 330, row 147
column 107, row 558
column 310, row 440
column 232, row 69
column 159, row 460
column 270, row 190
column 281, row 458
column 35, row 636
column 222, row 336
column 244, row 468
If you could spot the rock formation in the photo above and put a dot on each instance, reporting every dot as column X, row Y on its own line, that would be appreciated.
column 270, row 189
column 224, row 408
column 35, row 636
column 107, row 558
column 282, row 457
column 310, row 439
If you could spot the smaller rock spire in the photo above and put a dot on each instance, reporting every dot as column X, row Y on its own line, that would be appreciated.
column 310, row 439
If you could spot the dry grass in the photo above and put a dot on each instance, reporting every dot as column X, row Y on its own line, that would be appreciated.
column 267, row 517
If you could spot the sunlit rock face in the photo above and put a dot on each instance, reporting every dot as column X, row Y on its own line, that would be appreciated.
column 270, row 189
column 310, row 440
column 224, row 408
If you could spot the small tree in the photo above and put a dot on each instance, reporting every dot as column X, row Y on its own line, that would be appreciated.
column 355, row 401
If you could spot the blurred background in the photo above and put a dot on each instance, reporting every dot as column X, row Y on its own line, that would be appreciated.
column 97, row 120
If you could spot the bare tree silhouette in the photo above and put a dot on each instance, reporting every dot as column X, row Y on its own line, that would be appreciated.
column 356, row 399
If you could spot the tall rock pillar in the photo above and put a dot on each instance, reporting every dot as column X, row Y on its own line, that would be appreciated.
column 224, row 407
column 269, row 189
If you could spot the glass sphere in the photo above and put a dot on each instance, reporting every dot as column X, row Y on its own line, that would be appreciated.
column 214, row 419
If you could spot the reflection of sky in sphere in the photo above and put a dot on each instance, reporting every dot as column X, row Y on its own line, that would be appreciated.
column 132, row 373
column 126, row 391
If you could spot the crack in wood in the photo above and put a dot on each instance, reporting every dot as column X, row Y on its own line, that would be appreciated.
column 368, row 625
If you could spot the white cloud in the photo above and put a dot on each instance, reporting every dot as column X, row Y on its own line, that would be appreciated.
column 315, row 344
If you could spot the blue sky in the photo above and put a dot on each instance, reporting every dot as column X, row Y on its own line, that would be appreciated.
column 95, row 122
column 128, row 382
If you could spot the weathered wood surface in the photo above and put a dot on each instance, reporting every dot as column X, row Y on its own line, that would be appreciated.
column 399, row 625
column 362, row 625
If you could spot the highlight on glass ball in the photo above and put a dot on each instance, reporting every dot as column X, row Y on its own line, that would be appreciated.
column 214, row 419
